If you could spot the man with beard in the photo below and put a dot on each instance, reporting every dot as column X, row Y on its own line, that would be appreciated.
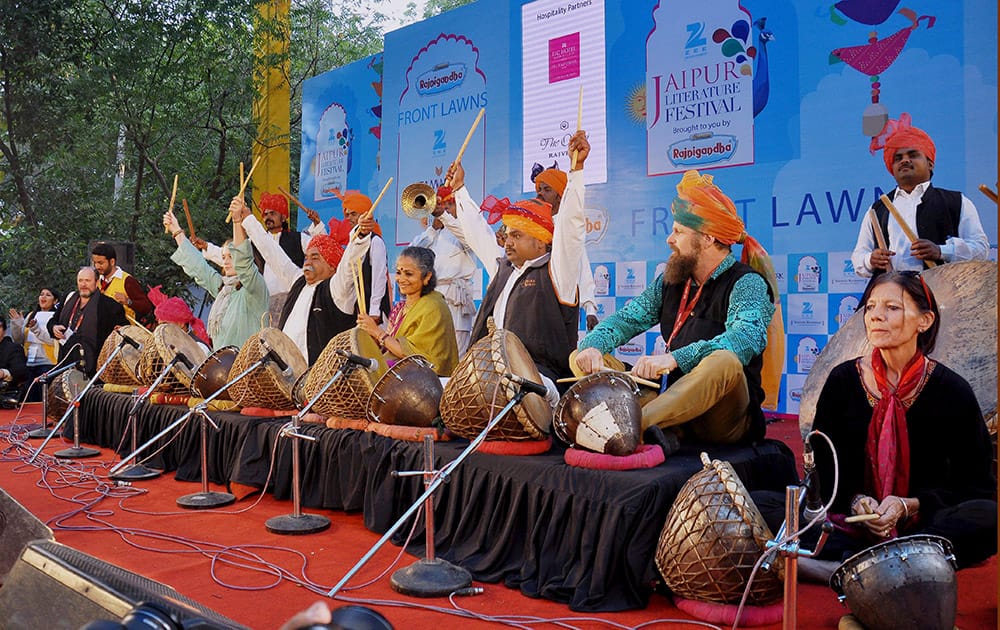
column 946, row 222
column 713, row 312
column 320, row 303
column 84, row 321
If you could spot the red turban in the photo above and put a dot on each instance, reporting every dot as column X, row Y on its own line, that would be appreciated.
column 173, row 310
column 277, row 203
column 900, row 134
column 340, row 230
column 555, row 178
column 328, row 248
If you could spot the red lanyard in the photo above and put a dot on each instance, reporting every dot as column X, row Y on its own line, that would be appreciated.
column 684, row 310
column 72, row 314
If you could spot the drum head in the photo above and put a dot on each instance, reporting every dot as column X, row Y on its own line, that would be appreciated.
column 266, row 386
column 536, row 409
column 600, row 413
column 966, row 293
column 283, row 345
column 348, row 396
column 213, row 373
column 169, row 340
column 409, row 394
column 63, row 390
column 123, row 369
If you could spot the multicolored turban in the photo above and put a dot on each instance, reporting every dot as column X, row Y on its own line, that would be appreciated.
column 555, row 178
column 173, row 310
column 328, row 247
column 900, row 134
column 277, row 203
column 531, row 216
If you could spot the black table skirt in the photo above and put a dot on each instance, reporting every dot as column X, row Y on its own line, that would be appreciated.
column 583, row 537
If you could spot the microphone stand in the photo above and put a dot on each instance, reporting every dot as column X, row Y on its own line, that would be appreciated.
column 77, row 451
column 44, row 379
column 297, row 522
column 138, row 472
column 433, row 568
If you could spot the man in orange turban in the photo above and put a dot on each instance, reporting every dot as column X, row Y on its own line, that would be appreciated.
column 946, row 222
column 375, row 265
column 534, row 277
column 549, row 186
column 714, row 313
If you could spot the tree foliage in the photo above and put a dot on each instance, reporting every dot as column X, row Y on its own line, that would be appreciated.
column 103, row 101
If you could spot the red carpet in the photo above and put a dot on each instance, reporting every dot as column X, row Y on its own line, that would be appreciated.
column 207, row 556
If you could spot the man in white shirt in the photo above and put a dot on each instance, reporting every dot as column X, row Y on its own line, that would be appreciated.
column 946, row 222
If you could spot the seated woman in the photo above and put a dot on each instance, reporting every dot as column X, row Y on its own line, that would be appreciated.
column 241, row 296
column 911, row 443
column 420, row 323
column 40, row 349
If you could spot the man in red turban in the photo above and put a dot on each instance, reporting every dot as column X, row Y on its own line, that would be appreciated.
column 946, row 222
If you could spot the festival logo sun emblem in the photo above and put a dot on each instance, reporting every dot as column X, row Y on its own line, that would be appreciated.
column 635, row 104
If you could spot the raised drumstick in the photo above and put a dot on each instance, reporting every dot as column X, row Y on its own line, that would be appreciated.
column 173, row 196
column 579, row 125
column 187, row 213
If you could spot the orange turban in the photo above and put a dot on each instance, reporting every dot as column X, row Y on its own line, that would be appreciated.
column 555, row 178
column 277, row 203
column 355, row 201
column 328, row 247
column 531, row 216
column 900, row 134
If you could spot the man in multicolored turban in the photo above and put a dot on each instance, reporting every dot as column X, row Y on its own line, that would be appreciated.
column 534, row 277
column 375, row 265
column 714, row 314
column 946, row 221
column 550, row 184
column 320, row 303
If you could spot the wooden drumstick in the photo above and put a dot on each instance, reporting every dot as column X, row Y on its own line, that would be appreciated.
column 187, row 213
column 173, row 196
column 468, row 137
column 243, row 183
column 910, row 234
column 877, row 229
column 862, row 518
column 292, row 198
column 371, row 211
column 579, row 125
column 983, row 188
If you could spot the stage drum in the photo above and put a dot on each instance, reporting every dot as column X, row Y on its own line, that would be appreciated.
column 348, row 397
column 713, row 536
column 123, row 370
column 213, row 373
column 477, row 391
column 167, row 340
column 409, row 394
column 63, row 390
column 268, row 386
column 966, row 293
column 600, row 413
column 908, row 582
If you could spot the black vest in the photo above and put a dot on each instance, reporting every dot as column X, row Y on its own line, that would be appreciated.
column 326, row 321
column 708, row 320
column 938, row 216
column 547, row 328
column 291, row 243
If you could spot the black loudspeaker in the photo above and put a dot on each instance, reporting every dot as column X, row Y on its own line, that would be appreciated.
column 18, row 526
column 125, row 251
column 55, row 586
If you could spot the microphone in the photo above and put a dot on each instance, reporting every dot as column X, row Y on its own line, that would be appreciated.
column 814, row 501
column 180, row 356
column 369, row 364
column 130, row 341
column 530, row 386
column 81, row 363
column 274, row 357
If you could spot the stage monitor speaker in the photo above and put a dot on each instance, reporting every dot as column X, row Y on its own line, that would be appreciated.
column 125, row 251
column 18, row 526
column 53, row 586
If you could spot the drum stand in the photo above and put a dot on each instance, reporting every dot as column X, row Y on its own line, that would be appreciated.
column 44, row 379
column 789, row 549
column 203, row 499
column 427, row 570
column 298, row 523
column 138, row 472
column 77, row 451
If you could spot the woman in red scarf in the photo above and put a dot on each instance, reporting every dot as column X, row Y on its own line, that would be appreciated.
column 911, row 443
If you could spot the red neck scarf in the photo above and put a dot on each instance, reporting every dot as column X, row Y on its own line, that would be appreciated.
column 888, row 447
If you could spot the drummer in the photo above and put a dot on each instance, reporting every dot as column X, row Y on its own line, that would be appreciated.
column 912, row 447
column 419, row 323
column 174, row 310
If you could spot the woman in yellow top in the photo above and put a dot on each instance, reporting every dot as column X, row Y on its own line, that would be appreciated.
column 420, row 322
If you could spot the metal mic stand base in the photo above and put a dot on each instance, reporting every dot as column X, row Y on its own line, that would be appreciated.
column 76, row 452
column 41, row 432
column 205, row 500
column 293, row 525
column 430, row 578
column 138, row 472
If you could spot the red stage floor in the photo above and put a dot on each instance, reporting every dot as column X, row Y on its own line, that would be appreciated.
column 207, row 555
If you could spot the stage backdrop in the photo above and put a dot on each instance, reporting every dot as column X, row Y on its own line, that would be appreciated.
column 775, row 98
